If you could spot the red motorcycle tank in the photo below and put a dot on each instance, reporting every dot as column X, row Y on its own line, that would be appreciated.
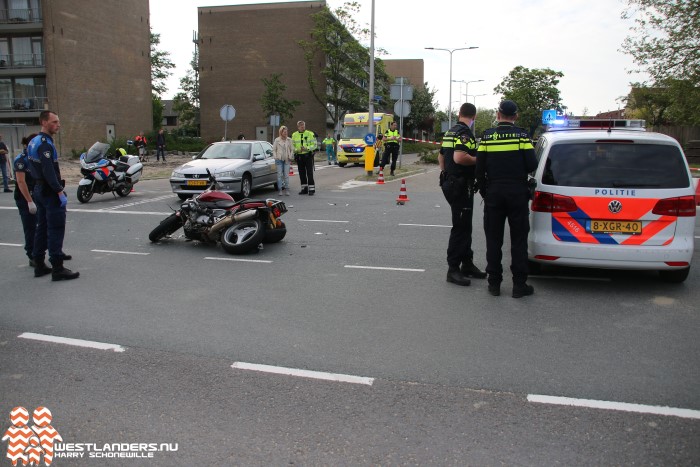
column 213, row 196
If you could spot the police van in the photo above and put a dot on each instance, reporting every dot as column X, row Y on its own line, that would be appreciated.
column 611, row 195
column 351, row 144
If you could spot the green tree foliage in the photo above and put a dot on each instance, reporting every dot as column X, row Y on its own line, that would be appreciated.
column 484, row 120
column 665, row 41
column 160, row 71
column 534, row 91
column 422, row 116
column 158, row 109
column 186, row 102
column 673, row 102
column 273, row 100
column 346, row 73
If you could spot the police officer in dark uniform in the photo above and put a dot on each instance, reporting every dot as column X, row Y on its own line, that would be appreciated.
column 504, row 160
column 50, row 200
column 457, row 160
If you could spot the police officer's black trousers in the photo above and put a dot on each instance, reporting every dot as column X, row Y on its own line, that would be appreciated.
column 393, row 151
column 506, row 201
column 459, row 248
column 305, row 164
column 51, row 226
column 28, row 225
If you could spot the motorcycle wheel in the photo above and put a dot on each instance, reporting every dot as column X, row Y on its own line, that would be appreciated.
column 123, row 190
column 275, row 235
column 84, row 193
column 167, row 226
column 242, row 237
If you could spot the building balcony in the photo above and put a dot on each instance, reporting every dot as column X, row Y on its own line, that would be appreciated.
column 26, row 64
column 28, row 20
column 22, row 107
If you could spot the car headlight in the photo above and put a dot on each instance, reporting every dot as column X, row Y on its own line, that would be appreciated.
column 177, row 174
column 227, row 174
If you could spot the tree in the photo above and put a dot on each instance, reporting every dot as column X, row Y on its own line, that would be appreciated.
column 672, row 102
column 534, row 91
column 484, row 121
column 186, row 102
column 665, row 40
column 160, row 71
column 273, row 100
column 346, row 62
column 422, row 116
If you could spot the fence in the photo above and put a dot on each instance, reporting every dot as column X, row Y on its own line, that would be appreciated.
column 682, row 133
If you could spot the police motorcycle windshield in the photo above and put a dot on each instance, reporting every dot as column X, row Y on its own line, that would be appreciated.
column 96, row 153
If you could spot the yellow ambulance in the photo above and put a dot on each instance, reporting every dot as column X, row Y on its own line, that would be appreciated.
column 351, row 144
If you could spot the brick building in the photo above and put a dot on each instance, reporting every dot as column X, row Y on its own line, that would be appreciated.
column 412, row 69
column 87, row 61
column 238, row 46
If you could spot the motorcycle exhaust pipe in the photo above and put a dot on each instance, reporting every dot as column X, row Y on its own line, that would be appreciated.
column 228, row 220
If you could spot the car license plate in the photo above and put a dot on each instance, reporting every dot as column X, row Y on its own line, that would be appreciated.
column 623, row 227
column 353, row 159
column 196, row 183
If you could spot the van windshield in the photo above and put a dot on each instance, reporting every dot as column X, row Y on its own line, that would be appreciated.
column 355, row 132
column 615, row 165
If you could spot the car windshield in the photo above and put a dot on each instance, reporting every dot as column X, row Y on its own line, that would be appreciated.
column 355, row 132
column 97, row 152
column 227, row 151
column 615, row 165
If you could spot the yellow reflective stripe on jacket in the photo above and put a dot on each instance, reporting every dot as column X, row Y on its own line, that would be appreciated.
column 503, row 145
column 299, row 138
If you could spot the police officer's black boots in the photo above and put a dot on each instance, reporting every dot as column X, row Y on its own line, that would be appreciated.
column 40, row 268
column 468, row 269
column 522, row 290
column 62, row 274
column 455, row 276
column 304, row 191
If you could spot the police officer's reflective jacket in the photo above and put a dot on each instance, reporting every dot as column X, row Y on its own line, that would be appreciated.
column 304, row 142
column 43, row 163
column 391, row 137
column 458, row 138
column 505, row 154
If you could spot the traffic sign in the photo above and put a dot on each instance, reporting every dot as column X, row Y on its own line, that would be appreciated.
column 548, row 116
column 370, row 139
column 402, row 110
column 227, row 113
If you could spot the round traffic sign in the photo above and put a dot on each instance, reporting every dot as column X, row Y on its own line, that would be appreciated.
column 370, row 139
column 402, row 110
column 227, row 113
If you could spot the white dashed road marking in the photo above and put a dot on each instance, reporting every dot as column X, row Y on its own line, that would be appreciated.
column 11, row 244
column 621, row 406
column 121, row 252
column 424, row 225
column 69, row 341
column 303, row 373
column 384, row 268
column 322, row 220
column 241, row 260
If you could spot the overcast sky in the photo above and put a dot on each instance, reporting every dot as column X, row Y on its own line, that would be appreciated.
column 580, row 38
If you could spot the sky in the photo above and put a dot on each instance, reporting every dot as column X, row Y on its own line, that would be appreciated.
column 580, row 38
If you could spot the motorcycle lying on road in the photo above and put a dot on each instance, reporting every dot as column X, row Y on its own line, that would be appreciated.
column 213, row 216
column 104, row 174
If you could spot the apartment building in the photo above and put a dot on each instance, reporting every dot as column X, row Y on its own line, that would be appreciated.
column 238, row 46
column 87, row 61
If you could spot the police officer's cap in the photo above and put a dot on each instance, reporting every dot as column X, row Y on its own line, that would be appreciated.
column 508, row 108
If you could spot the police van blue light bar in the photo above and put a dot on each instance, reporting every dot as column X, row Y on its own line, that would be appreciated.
column 597, row 124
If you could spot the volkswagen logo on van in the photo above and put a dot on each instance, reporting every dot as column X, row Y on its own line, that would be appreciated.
column 615, row 206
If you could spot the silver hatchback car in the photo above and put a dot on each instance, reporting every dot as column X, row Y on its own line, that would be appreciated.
column 239, row 167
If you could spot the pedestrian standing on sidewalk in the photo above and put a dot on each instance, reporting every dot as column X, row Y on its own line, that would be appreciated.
column 283, row 152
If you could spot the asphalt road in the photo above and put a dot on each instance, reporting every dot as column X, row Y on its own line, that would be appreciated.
column 439, row 374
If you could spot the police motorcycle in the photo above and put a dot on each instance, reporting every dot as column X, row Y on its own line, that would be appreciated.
column 214, row 216
column 102, row 174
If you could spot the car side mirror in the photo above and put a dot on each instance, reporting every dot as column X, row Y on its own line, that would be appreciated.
column 194, row 157
column 258, row 157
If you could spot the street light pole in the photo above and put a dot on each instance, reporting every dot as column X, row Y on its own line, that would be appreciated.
column 467, row 88
column 475, row 96
column 449, row 108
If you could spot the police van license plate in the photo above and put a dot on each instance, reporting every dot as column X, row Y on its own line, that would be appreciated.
column 622, row 227
column 196, row 183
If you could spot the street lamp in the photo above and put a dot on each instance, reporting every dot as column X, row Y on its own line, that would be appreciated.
column 475, row 96
column 449, row 109
column 466, row 89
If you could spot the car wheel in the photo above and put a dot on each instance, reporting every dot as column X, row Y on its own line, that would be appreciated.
column 183, row 196
column 246, row 185
column 675, row 276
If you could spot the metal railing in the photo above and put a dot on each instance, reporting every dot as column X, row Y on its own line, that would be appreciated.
column 22, row 104
column 14, row 15
column 21, row 61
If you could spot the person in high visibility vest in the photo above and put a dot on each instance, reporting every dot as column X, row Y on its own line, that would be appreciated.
column 330, row 149
column 304, row 147
column 391, row 147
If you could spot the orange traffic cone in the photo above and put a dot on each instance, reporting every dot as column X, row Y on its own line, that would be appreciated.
column 403, row 197
column 380, row 179
column 291, row 170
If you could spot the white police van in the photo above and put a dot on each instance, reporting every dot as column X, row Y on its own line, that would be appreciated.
column 611, row 195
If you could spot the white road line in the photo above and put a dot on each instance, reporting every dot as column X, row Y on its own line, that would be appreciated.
column 384, row 268
column 11, row 244
column 136, row 203
column 621, row 406
column 424, row 225
column 104, row 211
column 69, row 341
column 322, row 220
column 303, row 373
column 214, row 258
column 121, row 252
